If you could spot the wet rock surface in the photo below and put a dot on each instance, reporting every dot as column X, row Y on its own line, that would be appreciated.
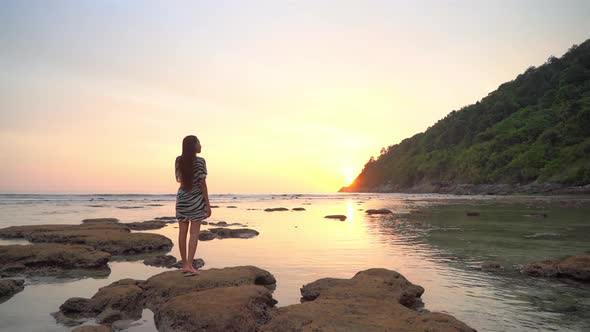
column 340, row 217
column 276, row 209
column 161, row 261
column 114, row 220
column 226, row 233
column 575, row 267
column 168, row 219
column 224, row 224
column 490, row 267
column 50, row 259
column 197, row 264
column 168, row 284
column 119, row 300
column 373, row 300
column 378, row 211
column 9, row 287
column 243, row 308
column 146, row 225
column 110, row 236
column 173, row 292
column 240, row 299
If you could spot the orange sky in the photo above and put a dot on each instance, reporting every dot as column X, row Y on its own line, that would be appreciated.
column 285, row 97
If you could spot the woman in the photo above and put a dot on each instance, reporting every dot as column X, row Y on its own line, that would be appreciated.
column 192, row 199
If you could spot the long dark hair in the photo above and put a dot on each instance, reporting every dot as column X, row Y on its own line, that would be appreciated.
column 189, row 151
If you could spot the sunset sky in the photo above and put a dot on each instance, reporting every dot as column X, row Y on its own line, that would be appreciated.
column 285, row 96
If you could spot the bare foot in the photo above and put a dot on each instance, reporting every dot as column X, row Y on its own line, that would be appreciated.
column 187, row 269
column 191, row 272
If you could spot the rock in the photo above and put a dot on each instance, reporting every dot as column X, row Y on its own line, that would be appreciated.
column 119, row 300
column 197, row 263
column 232, row 207
column 472, row 213
column 490, row 266
column 166, row 219
column 378, row 211
column 575, row 267
column 276, row 209
column 241, row 308
column 225, row 224
column 214, row 206
column 225, row 233
column 372, row 283
column 109, row 316
column 546, row 268
column 221, row 297
column 234, row 299
column 373, row 300
column 93, row 328
column 206, row 236
column 112, row 237
column 114, row 220
column 12, row 269
column 9, row 287
column 360, row 315
column 50, row 258
column 163, row 286
column 161, row 260
column 298, row 209
column 340, row 217
column 146, row 225
column 537, row 215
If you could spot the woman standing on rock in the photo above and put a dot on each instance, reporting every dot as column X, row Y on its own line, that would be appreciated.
column 192, row 199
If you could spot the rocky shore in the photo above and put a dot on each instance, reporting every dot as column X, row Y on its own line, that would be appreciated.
column 51, row 259
column 73, row 250
column 473, row 189
column 86, row 249
column 240, row 299
column 104, row 235
column 576, row 267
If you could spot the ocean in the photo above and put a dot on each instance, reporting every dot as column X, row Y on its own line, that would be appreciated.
column 429, row 239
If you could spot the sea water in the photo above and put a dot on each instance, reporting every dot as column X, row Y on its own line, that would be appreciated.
column 429, row 239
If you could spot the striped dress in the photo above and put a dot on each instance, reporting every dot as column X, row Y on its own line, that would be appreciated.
column 191, row 205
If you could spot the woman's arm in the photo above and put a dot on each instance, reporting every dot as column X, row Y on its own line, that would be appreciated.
column 206, row 196
column 177, row 169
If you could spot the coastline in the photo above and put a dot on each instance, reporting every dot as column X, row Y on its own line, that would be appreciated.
column 475, row 189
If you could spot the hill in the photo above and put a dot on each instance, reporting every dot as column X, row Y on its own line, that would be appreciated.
column 530, row 135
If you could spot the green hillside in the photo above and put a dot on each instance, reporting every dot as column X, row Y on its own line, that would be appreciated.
column 534, row 129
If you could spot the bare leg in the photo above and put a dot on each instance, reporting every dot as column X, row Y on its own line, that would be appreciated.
column 182, row 231
column 192, row 243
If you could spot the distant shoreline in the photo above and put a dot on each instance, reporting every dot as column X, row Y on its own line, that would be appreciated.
column 476, row 189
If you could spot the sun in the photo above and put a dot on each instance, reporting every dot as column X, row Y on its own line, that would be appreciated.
column 349, row 180
column 349, row 175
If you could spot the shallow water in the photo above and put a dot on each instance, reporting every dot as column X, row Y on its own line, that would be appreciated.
column 429, row 240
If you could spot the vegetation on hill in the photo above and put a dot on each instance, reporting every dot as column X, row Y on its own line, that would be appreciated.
column 535, row 128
